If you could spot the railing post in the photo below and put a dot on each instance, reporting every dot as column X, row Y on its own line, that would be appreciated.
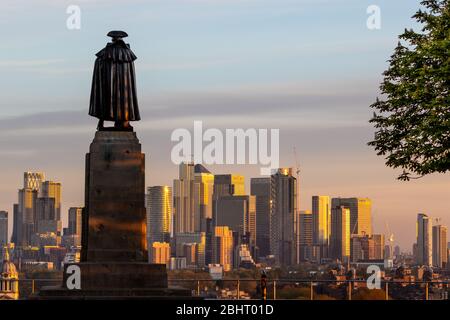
column 426, row 291
column 386, row 290
column 349, row 290
column 198, row 287
column 238, row 289
column 274, row 290
column 311, row 291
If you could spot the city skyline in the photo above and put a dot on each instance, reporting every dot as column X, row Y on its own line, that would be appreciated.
column 35, row 181
column 315, row 86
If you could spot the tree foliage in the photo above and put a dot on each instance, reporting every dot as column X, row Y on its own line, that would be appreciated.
column 412, row 121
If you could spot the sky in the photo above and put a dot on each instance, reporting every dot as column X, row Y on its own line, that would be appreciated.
column 310, row 68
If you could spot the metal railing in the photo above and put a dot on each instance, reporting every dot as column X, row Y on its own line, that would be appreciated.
column 350, row 285
column 274, row 286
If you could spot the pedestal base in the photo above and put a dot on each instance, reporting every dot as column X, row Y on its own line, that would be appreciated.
column 113, row 280
column 122, row 275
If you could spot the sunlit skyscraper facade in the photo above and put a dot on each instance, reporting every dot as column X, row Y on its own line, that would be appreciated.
column 159, row 214
column 424, row 240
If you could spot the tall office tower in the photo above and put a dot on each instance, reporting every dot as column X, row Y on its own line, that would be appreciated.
column 424, row 240
column 387, row 252
column 16, row 224
column 226, row 185
column 26, row 208
column 160, row 253
column 440, row 258
column 360, row 213
column 260, row 188
column 340, row 234
column 223, row 247
column 239, row 214
column 305, row 235
column 209, row 239
column 282, row 217
column 159, row 214
column 75, row 225
column 378, row 247
column 75, row 220
column 321, row 215
column 203, row 193
column 185, row 219
column 397, row 251
column 48, row 209
column 27, row 216
column 3, row 228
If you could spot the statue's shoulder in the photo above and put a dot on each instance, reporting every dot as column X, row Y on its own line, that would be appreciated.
column 118, row 51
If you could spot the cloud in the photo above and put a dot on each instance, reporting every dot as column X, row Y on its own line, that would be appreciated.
column 251, row 106
column 29, row 63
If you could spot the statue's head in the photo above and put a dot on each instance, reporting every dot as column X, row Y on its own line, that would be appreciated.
column 117, row 35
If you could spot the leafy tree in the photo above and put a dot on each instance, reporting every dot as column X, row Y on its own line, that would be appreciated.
column 413, row 121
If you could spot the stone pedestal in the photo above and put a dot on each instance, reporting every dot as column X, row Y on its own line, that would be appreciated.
column 114, row 260
column 114, row 224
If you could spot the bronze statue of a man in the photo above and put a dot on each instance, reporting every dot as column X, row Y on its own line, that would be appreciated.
column 113, row 93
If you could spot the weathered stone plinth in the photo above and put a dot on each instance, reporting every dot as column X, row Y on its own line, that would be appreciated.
column 114, row 226
column 114, row 261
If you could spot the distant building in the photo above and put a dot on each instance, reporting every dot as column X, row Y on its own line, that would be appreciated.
column 75, row 220
column 160, row 253
column 321, row 216
column 223, row 247
column 360, row 214
column 283, row 239
column 244, row 258
column 440, row 254
column 197, row 238
column 190, row 252
column 16, row 224
column 340, row 234
column 72, row 234
column 177, row 263
column 228, row 185
column 378, row 247
column 33, row 180
column 3, row 228
column 38, row 210
column 239, row 214
column 397, row 251
column 26, row 216
column 359, row 247
column 305, row 235
column 185, row 218
column 9, row 284
column 367, row 248
column 260, row 188
column 159, row 214
column 203, row 195
column 424, row 240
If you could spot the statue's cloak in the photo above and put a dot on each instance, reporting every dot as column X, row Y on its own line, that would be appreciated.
column 113, row 93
